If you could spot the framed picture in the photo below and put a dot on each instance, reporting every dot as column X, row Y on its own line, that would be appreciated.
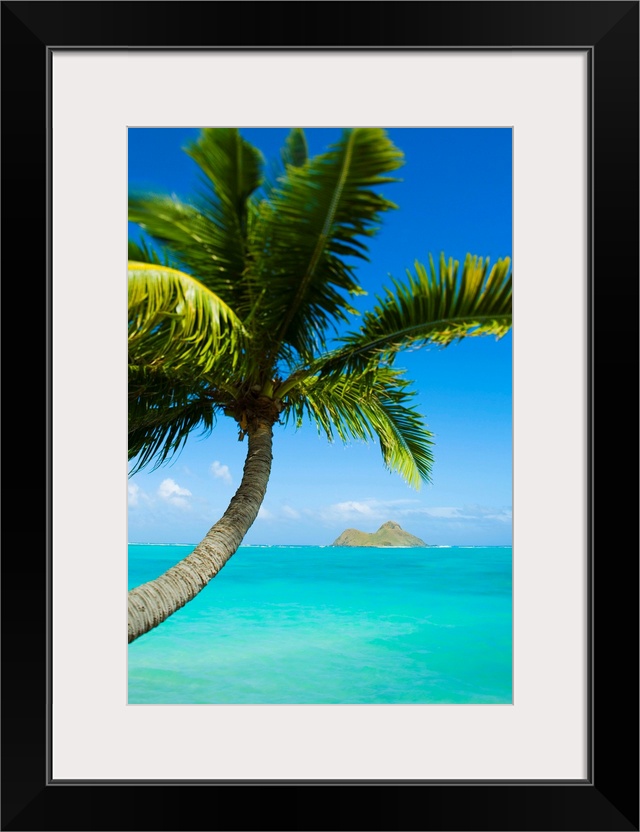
column 564, row 78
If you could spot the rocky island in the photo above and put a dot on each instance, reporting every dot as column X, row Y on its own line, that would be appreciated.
column 389, row 534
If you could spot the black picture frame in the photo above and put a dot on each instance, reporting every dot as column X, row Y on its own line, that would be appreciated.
column 608, row 798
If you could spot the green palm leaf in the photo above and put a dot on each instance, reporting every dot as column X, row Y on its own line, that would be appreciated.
column 208, row 236
column 165, row 407
column 142, row 252
column 175, row 321
column 231, row 171
column 429, row 308
column 367, row 405
column 442, row 307
column 295, row 151
column 317, row 214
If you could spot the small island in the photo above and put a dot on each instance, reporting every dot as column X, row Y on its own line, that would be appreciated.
column 390, row 535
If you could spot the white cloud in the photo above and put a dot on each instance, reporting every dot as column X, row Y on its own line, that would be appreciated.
column 502, row 515
column 264, row 514
column 378, row 511
column 474, row 513
column 368, row 509
column 441, row 511
column 137, row 497
column 134, row 494
column 168, row 488
column 291, row 513
column 170, row 491
column 221, row 472
column 352, row 507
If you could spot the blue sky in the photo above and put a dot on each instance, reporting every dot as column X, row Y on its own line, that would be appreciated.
column 455, row 197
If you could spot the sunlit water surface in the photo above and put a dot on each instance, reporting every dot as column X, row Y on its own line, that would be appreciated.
column 322, row 625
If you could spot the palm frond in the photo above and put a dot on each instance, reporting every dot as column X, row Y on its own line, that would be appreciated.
column 429, row 308
column 442, row 307
column 194, row 241
column 367, row 405
column 295, row 151
column 231, row 171
column 319, row 213
column 142, row 252
column 175, row 321
column 208, row 237
column 165, row 407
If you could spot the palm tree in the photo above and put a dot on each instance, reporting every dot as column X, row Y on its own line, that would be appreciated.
column 239, row 309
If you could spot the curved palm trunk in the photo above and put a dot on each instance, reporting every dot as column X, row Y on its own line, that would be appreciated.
column 152, row 603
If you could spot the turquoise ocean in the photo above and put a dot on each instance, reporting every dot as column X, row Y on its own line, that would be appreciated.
column 329, row 625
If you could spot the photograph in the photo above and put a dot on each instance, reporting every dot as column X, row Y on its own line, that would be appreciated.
column 339, row 479
column 319, row 401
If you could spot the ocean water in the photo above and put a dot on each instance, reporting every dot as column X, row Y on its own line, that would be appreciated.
column 324, row 625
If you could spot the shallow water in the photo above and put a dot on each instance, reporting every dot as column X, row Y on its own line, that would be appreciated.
column 321, row 625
